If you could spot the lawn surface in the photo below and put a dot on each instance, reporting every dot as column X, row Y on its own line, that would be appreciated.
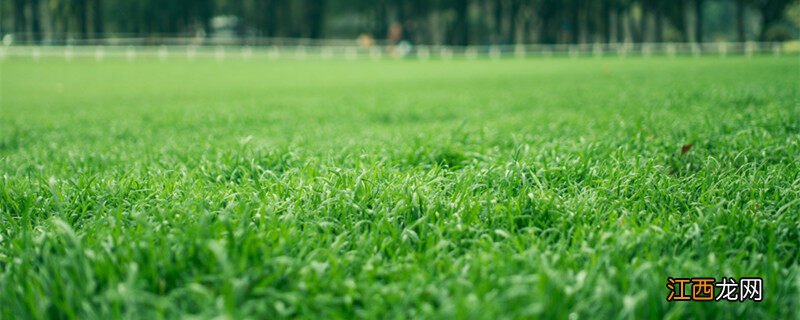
column 517, row 188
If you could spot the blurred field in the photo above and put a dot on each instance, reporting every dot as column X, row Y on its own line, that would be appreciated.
column 438, row 189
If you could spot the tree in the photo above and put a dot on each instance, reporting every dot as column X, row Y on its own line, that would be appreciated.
column 513, row 20
column 656, row 8
column 740, row 33
column 455, row 22
column 771, row 13
column 20, row 23
column 676, row 15
column 698, row 14
column 97, row 17
column 461, row 27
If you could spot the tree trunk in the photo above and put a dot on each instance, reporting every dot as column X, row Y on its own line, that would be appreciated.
column 35, row 23
column 548, row 16
column 20, row 22
column 659, row 24
column 605, row 20
column 269, row 18
column 698, row 13
column 496, row 22
column 574, row 22
column 680, row 19
column 641, row 25
column 381, row 22
column 740, row 35
column 620, row 25
column 97, row 18
column 461, row 30
column 512, row 21
column 83, row 23
column 316, row 13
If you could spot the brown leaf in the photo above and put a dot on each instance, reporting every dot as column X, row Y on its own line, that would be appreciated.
column 685, row 149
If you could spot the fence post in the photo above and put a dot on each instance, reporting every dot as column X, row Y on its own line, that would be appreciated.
column 573, row 51
column 597, row 50
column 247, row 53
column 376, row 53
column 131, row 53
column 671, row 50
column 300, row 52
column 219, row 53
column 68, row 53
column 748, row 49
column 471, row 53
column 274, row 53
column 445, row 53
column 622, row 50
column 351, row 53
column 162, row 53
column 647, row 49
column 423, row 53
column 99, row 53
column 190, row 53
column 494, row 52
column 519, row 51
column 327, row 53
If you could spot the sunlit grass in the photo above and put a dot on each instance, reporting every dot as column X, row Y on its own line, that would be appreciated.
column 514, row 188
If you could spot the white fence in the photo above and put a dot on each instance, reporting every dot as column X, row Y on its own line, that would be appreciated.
column 222, row 52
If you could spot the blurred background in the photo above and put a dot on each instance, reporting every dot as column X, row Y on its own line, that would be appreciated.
column 416, row 22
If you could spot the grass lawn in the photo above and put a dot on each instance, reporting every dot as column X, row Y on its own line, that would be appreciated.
column 551, row 188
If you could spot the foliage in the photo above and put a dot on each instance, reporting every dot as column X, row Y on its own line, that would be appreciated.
column 455, row 22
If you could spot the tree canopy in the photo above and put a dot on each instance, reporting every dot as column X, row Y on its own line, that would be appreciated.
column 454, row 22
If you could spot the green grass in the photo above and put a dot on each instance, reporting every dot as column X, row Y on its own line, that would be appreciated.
column 548, row 188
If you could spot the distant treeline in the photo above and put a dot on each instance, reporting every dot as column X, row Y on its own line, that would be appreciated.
column 454, row 22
